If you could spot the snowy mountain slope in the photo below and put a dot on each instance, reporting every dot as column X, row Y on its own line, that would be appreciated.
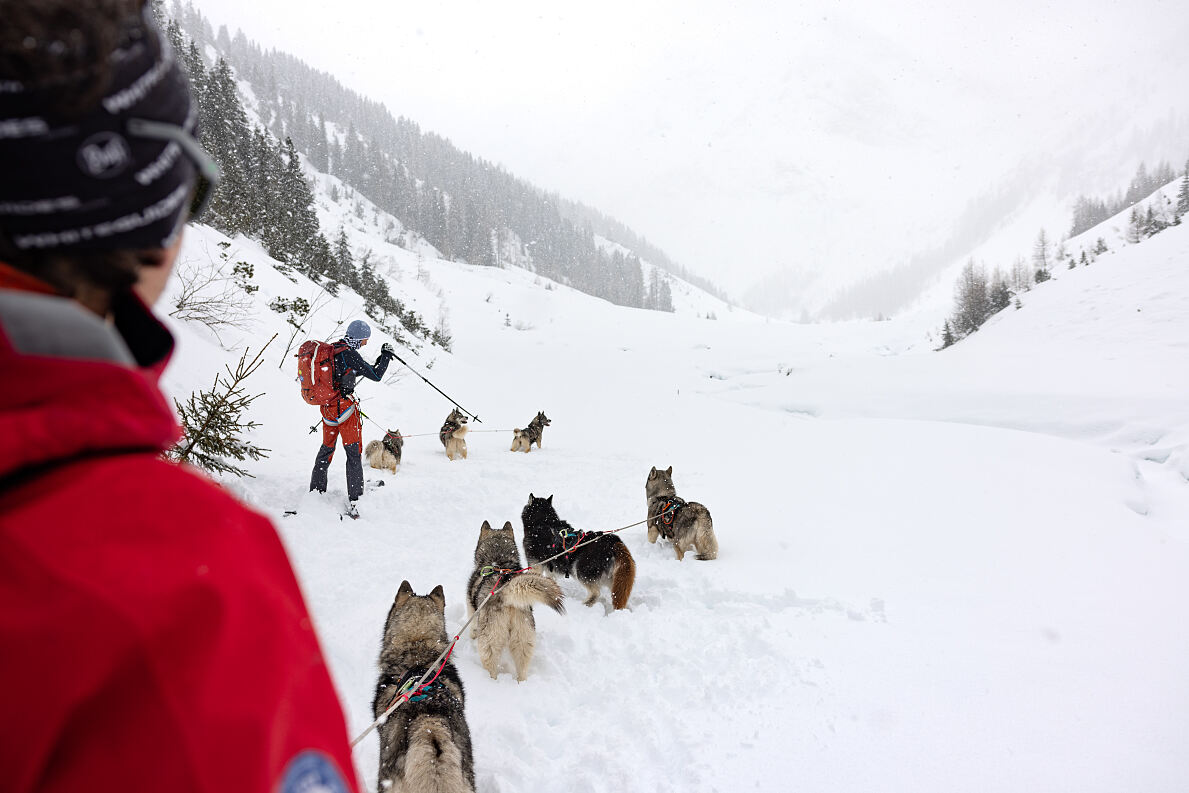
column 687, row 298
column 938, row 571
column 470, row 208
column 1098, row 354
column 1015, row 236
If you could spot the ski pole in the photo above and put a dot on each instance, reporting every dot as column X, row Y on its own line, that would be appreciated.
column 440, row 391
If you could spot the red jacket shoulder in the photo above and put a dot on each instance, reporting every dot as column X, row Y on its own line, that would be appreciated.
column 148, row 588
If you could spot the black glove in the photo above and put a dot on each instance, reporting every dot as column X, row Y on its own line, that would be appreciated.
column 386, row 349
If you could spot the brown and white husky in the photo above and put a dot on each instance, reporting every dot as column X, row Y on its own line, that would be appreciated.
column 507, row 619
column 453, row 434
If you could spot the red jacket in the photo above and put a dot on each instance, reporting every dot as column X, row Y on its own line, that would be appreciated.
column 152, row 633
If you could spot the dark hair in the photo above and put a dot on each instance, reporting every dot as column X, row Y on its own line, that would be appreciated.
column 63, row 48
column 73, row 273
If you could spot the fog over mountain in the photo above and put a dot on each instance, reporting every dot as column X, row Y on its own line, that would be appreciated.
column 840, row 143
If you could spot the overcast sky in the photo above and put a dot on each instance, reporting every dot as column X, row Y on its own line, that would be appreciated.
column 740, row 137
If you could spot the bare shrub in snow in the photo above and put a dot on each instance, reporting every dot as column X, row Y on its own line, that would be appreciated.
column 207, row 295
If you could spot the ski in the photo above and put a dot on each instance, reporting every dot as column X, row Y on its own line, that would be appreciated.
column 351, row 512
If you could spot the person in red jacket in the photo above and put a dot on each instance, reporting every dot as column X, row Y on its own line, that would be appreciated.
column 341, row 417
column 153, row 635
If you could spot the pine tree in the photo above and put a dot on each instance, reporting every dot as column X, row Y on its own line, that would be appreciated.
column 947, row 335
column 319, row 152
column 664, row 296
column 214, row 424
column 1139, row 187
column 196, row 70
column 1000, row 293
column 1040, row 255
column 1021, row 276
column 653, row 291
column 227, row 137
column 301, row 221
column 972, row 300
column 343, row 264
column 1135, row 226
column 1183, row 196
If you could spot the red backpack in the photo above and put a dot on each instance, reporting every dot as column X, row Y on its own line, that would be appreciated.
column 315, row 371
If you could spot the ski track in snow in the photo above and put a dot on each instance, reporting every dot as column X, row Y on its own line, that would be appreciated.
column 938, row 572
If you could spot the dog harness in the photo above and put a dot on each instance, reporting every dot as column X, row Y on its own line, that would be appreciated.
column 390, row 442
column 406, row 683
column 562, row 536
column 668, row 513
column 448, row 429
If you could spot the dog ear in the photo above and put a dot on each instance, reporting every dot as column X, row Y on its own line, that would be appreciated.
column 438, row 595
column 670, row 471
column 507, row 526
column 485, row 527
column 652, row 473
column 531, row 497
column 404, row 593
column 550, row 499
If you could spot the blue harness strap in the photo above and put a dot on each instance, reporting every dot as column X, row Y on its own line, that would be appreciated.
column 409, row 680
column 346, row 414
column 669, row 511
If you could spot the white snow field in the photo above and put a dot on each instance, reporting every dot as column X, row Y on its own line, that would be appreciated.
column 955, row 571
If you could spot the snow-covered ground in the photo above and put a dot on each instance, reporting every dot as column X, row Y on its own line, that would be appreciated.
column 956, row 571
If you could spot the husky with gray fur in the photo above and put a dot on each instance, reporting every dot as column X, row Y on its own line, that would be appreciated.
column 686, row 523
column 523, row 440
column 386, row 453
column 425, row 744
column 507, row 619
column 598, row 559
column 453, row 434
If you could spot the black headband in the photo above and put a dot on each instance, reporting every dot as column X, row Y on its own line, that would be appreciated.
column 100, row 182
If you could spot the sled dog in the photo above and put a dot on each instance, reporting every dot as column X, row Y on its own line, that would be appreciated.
column 604, row 562
column 385, row 453
column 507, row 619
column 425, row 743
column 525, row 438
column 686, row 523
column 453, row 434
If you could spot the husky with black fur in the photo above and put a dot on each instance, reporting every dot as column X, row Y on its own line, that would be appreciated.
column 453, row 434
column 425, row 744
column 687, row 523
column 507, row 619
column 386, row 453
column 605, row 562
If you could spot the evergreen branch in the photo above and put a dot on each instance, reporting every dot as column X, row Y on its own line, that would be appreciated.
column 211, row 420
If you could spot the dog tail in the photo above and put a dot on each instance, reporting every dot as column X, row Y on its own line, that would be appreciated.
column 707, row 543
column 434, row 760
column 529, row 588
column 371, row 447
column 623, row 576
